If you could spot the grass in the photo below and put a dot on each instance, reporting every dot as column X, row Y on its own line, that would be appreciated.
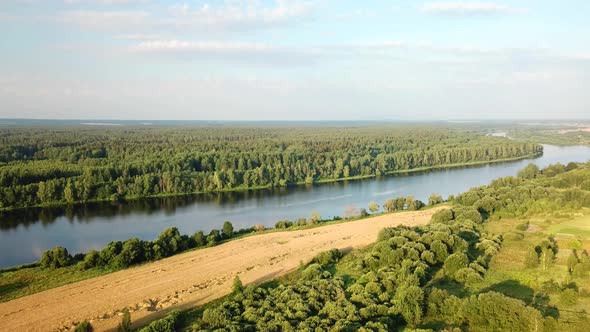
column 578, row 227
column 508, row 275
column 27, row 281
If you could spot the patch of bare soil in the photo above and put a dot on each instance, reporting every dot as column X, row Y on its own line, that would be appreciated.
column 150, row 291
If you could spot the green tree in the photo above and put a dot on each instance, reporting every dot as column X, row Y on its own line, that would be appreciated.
column 529, row 172
column 199, row 239
column 390, row 205
column 237, row 286
column 572, row 261
column 435, row 199
column 373, row 206
column 531, row 260
column 213, row 237
column 56, row 258
column 227, row 230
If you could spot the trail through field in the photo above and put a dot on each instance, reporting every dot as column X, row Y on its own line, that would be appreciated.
column 151, row 290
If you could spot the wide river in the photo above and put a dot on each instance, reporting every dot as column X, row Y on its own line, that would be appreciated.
column 25, row 234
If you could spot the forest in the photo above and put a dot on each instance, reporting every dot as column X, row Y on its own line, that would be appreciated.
column 72, row 164
column 476, row 267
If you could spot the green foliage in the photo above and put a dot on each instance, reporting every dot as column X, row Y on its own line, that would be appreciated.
column 328, row 257
column 496, row 312
column 373, row 206
column 84, row 326
column 56, row 258
column 170, row 323
column 125, row 325
column 531, row 260
column 529, row 172
column 387, row 293
column 435, row 199
column 237, row 286
column 227, row 230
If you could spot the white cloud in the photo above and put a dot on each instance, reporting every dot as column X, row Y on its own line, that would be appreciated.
column 103, row 19
column 190, row 46
column 240, row 14
column 467, row 8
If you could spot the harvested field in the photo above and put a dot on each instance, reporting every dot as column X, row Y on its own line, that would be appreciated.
column 189, row 279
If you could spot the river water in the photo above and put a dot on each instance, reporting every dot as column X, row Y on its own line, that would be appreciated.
column 25, row 234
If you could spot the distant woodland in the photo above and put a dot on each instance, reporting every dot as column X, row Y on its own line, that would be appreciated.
column 64, row 165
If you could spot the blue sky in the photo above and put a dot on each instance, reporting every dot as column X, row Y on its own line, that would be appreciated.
column 294, row 59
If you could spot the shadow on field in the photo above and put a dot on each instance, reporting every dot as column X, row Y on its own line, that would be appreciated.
column 515, row 289
column 10, row 288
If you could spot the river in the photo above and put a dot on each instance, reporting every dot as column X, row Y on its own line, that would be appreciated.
column 25, row 234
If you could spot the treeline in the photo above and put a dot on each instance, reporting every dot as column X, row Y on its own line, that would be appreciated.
column 61, row 166
column 122, row 254
column 533, row 191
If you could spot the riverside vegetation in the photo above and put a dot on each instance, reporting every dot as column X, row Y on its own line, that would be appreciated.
column 490, row 263
column 58, row 267
column 65, row 165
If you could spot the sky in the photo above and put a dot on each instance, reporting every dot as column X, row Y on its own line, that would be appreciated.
column 294, row 59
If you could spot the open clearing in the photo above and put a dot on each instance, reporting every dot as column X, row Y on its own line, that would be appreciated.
column 191, row 278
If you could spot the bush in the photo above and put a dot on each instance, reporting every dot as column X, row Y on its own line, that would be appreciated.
column 283, row 224
column 56, row 258
column 523, row 226
column 91, row 260
column 442, row 216
column 170, row 323
column 328, row 257
column 85, row 326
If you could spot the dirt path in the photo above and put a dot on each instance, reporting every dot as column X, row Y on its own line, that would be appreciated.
column 188, row 279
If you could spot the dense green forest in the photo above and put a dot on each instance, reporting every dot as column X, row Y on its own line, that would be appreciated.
column 63, row 165
column 451, row 274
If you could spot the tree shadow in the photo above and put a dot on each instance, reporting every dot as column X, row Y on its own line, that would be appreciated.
column 11, row 288
column 515, row 289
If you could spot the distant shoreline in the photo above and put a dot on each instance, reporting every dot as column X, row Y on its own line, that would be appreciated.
column 320, row 181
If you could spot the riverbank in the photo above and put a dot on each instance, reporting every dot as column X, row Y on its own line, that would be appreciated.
column 254, row 188
column 191, row 278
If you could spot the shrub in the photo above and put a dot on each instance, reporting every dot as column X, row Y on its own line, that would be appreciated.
column 85, row 326
column 170, row 323
column 283, row 224
column 442, row 216
column 91, row 260
column 56, row 258
column 328, row 257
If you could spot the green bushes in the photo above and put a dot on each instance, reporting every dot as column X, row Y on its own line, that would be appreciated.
column 170, row 323
column 328, row 257
column 56, row 258
column 120, row 255
column 387, row 293
column 85, row 326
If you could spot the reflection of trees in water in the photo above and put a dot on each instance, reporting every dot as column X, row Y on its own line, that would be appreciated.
column 86, row 213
